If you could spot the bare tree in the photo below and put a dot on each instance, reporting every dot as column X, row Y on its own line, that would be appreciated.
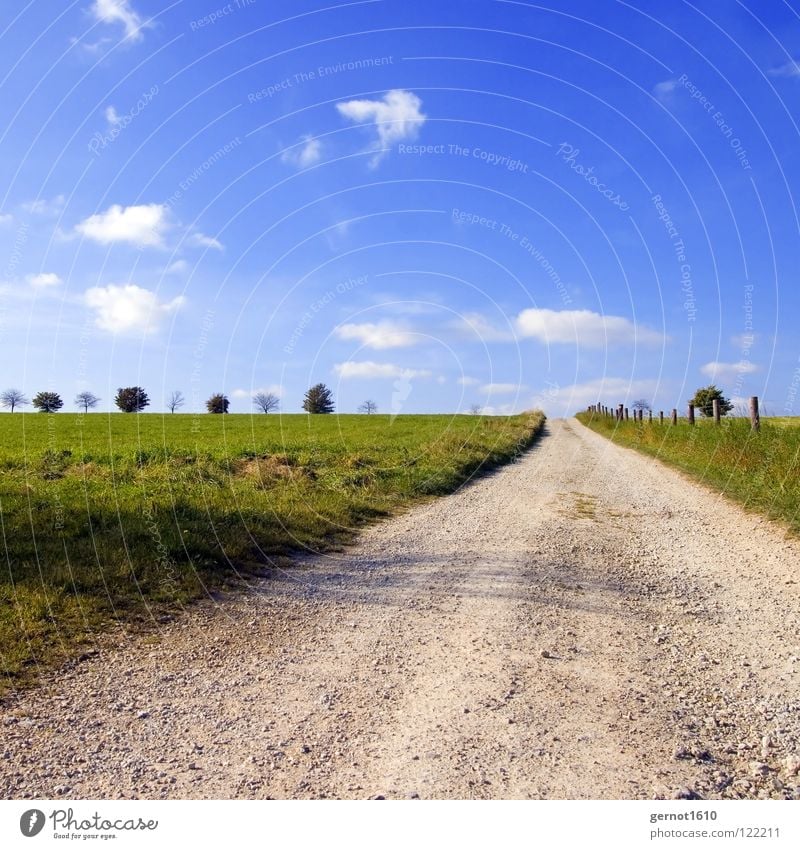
column 266, row 401
column 369, row 407
column 175, row 401
column 12, row 398
column 86, row 400
column 641, row 404
column 475, row 410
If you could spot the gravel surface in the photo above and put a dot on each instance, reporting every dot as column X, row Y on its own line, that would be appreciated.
column 583, row 623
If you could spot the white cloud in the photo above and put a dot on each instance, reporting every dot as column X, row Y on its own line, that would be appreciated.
column 272, row 389
column 664, row 89
column 384, row 334
column 559, row 401
column 744, row 340
column 396, row 117
column 309, row 153
column 6, row 218
column 143, row 225
column 42, row 206
column 480, row 326
column 180, row 266
column 468, row 381
column 501, row 388
column 377, row 370
column 496, row 410
column 584, row 327
column 44, row 280
column 728, row 371
column 111, row 115
column 787, row 69
column 121, row 309
column 200, row 240
column 119, row 11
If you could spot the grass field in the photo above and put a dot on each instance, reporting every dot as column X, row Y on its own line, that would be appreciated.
column 759, row 469
column 105, row 516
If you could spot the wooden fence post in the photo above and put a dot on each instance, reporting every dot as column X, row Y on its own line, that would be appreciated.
column 674, row 416
column 661, row 417
column 691, row 414
column 755, row 418
column 715, row 408
column 650, row 416
column 626, row 414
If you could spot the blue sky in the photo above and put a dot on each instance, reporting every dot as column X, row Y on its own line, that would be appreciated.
column 433, row 205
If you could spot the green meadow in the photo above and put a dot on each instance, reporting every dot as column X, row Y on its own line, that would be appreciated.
column 120, row 517
column 759, row 469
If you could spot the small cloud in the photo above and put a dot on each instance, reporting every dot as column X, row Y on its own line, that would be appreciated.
column 584, row 327
column 744, row 340
column 728, row 371
column 664, row 89
column 368, row 369
column 111, row 115
column 501, row 388
column 309, row 153
column 123, row 309
column 200, row 240
column 119, row 11
column 468, row 381
column 44, row 280
column 272, row 389
column 42, row 206
column 384, row 334
column 395, row 117
column 143, row 226
column 787, row 69
column 5, row 218
column 495, row 410
column 180, row 266
column 560, row 401
column 478, row 325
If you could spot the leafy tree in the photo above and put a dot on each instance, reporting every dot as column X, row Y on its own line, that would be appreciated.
column 266, row 401
column 641, row 404
column 47, row 402
column 175, row 401
column 12, row 398
column 368, row 407
column 86, row 400
column 704, row 398
column 318, row 399
column 132, row 399
column 217, row 403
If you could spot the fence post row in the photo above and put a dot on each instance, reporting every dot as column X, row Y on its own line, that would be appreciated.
column 621, row 412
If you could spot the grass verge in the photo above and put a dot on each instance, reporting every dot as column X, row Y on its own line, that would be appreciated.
column 108, row 518
column 757, row 469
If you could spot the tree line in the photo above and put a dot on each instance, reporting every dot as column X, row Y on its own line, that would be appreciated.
column 134, row 399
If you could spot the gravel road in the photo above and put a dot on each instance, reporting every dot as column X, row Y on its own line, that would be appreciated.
column 583, row 623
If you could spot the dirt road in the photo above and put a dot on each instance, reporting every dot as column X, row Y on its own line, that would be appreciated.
column 581, row 624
